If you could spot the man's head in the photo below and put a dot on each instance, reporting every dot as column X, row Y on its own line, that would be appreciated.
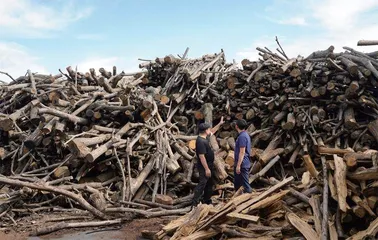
column 241, row 125
column 204, row 129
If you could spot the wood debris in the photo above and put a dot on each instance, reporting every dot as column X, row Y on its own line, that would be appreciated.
column 108, row 143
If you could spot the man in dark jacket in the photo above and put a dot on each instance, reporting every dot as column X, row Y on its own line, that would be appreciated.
column 241, row 157
column 205, row 163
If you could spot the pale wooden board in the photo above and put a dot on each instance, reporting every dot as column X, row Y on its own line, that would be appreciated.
column 302, row 227
column 247, row 217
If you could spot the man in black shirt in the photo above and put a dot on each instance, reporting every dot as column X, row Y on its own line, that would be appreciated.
column 205, row 163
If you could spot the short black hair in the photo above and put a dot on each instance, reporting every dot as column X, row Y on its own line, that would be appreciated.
column 242, row 124
column 202, row 127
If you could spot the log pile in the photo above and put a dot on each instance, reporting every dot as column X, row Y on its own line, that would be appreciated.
column 317, row 114
column 107, row 143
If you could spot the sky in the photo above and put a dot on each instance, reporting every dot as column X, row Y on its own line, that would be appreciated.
column 48, row 35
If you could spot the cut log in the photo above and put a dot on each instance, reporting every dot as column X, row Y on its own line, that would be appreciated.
column 263, row 171
column 364, row 174
column 310, row 166
column 352, row 68
column 373, row 128
column 63, row 225
column 137, row 182
column 207, row 111
column 231, row 142
column 230, row 158
column 192, row 144
column 271, row 151
column 367, row 42
column 351, row 159
column 340, row 179
column 332, row 151
column 164, row 199
column 290, row 122
column 220, row 168
column 349, row 119
column 69, row 117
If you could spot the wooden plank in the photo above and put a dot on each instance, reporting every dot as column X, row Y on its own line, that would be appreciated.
column 216, row 217
column 315, row 205
column 267, row 201
column 189, row 224
column 332, row 231
column 332, row 187
column 279, row 185
column 247, row 217
column 340, row 179
column 302, row 227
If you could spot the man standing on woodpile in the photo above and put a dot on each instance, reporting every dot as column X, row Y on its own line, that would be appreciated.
column 205, row 163
column 241, row 157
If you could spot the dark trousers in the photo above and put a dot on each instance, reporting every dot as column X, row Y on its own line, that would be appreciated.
column 205, row 187
column 242, row 179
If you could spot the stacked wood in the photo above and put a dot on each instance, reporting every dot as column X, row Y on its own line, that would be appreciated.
column 108, row 143
column 220, row 220
column 318, row 114
column 103, row 142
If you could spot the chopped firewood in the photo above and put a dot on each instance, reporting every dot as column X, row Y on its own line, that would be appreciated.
column 340, row 180
column 371, row 231
column 302, row 227
column 113, row 142
column 243, row 217
column 164, row 199
column 63, row 225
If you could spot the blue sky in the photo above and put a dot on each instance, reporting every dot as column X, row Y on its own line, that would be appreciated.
column 45, row 35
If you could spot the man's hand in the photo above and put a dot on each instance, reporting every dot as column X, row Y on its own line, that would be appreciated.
column 238, row 170
column 221, row 121
column 208, row 173
column 215, row 129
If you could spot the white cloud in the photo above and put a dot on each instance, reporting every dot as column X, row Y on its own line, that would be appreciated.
column 335, row 22
column 16, row 60
column 28, row 18
column 341, row 15
column 293, row 21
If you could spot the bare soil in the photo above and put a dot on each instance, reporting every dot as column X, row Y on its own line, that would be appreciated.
column 127, row 231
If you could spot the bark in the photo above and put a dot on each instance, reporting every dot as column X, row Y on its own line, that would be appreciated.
column 69, row 117
column 78, row 198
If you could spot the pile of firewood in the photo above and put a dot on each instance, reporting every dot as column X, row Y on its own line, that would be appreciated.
column 310, row 118
column 108, row 143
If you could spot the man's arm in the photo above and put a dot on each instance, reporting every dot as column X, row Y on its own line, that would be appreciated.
column 241, row 156
column 203, row 161
column 216, row 128
column 242, row 144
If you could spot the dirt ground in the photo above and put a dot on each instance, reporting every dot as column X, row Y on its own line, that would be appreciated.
column 128, row 231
